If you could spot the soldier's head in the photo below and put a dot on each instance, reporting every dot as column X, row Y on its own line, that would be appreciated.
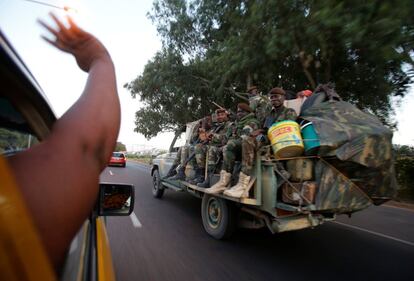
column 206, row 123
column 277, row 97
column 242, row 110
column 252, row 91
column 222, row 115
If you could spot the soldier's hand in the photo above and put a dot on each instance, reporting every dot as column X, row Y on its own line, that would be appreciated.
column 257, row 132
column 83, row 46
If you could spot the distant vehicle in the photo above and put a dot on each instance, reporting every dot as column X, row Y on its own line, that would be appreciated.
column 26, row 118
column 117, row 159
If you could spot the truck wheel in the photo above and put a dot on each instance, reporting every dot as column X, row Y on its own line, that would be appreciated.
column 219, row 216
column 157, row 188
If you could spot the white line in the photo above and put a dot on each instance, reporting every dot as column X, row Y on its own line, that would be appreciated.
column 110, row 172
column 375, row 233
column 135, row 220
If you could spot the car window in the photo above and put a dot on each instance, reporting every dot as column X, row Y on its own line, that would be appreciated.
column 117, row 154
column 180, row 140
column 15, row 134
column 12, row 141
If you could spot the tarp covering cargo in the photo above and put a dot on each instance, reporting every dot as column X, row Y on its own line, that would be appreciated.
column 360, row 144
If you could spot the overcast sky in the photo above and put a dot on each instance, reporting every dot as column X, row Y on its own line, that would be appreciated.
column 131, row 39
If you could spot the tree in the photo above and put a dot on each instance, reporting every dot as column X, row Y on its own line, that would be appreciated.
column 213, row 47
column 11, row 140
column 120, row 146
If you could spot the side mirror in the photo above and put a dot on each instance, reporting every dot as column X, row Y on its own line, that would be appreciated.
column 116, row 199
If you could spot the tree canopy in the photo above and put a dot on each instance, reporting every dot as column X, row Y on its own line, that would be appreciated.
column 120, row 146
column 212, row 48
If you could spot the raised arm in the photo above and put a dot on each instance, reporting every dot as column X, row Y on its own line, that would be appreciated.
column 59, row 177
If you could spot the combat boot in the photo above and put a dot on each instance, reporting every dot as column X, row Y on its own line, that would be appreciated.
column 180, row 176
column 221, row 185
column 206, row 182
column 241, row 189
column 199, row 176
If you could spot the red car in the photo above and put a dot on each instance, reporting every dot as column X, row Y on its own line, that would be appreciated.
column 117, row 159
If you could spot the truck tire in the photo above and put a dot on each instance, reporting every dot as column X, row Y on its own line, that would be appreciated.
column 219, row 216
column 157, row 188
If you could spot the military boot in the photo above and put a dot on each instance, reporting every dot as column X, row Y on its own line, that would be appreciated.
column 199, row 176
column 221, row 185
column 241, row 189
column 180, row 176
column 206, row 182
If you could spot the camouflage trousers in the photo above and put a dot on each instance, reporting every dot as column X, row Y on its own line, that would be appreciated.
column 182, row 154
column 246, row 148
column 200, row 154
column 214, row 153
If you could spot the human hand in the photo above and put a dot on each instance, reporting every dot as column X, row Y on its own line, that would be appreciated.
column 257, row 132
column 82, row 45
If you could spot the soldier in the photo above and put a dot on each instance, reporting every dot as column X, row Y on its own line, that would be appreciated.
column 218, row 138
column 198, row 149
column 279, row 112
column 260, row 104
column 242, row 141
column 183, row 156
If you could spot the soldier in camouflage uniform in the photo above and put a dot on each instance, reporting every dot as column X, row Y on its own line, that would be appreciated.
column 278, row 112
column 242, row 140
column 260, row 104
column 218, row 138
column 182, row 156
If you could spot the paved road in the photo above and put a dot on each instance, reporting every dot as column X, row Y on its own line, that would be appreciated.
column 167, row 242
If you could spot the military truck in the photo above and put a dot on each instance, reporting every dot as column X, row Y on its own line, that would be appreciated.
column 352, row 170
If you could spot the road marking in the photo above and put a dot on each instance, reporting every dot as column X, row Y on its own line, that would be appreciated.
column 110, row 172
column 375, row 233
column 135, row 220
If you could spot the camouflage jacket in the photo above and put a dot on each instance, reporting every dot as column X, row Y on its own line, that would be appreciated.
column 220, row 133
column 280, row 114
column 244, row 126
column 261, row 106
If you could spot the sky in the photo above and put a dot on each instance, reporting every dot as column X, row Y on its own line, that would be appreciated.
column 131, row 39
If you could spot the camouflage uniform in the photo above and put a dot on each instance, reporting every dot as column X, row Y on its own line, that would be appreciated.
column 280, row 114
column 241, row 143
column 200, row 150
column 219, row 138
column 261, row 106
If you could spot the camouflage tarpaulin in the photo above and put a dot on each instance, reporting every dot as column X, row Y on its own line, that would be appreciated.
column 336, row 192
column 360, row 141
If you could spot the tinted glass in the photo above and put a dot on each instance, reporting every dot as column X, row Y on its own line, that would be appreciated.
column 14, row 132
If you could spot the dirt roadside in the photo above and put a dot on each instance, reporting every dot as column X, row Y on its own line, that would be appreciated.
column 402, row 205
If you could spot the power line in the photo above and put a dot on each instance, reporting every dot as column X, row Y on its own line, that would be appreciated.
column 65, row 8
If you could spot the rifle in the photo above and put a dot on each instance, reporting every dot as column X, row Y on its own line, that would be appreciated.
column 219, row 106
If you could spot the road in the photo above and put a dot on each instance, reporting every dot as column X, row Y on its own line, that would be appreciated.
column 165, row 240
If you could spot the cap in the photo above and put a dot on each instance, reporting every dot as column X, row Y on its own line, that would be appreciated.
column 276, row 91
column 251, row 88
